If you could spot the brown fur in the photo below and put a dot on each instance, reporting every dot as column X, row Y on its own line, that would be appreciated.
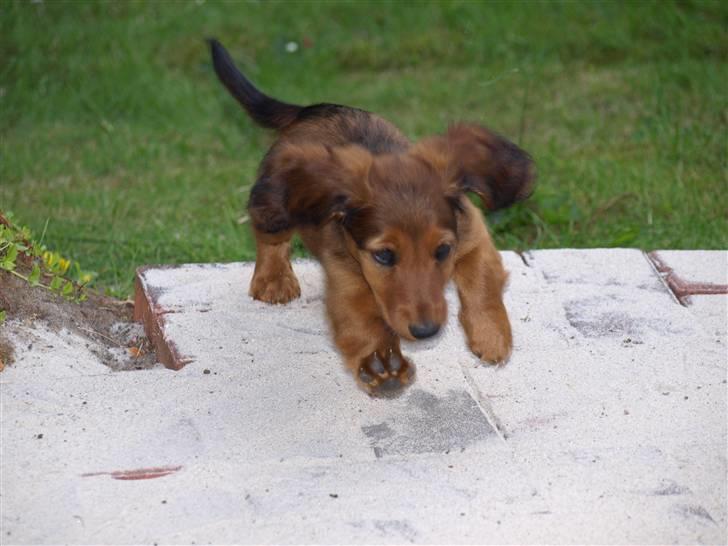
column 357, row 191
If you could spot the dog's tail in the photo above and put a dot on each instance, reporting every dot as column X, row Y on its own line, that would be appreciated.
column 265, row 111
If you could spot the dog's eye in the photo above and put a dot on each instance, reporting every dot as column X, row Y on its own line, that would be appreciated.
column 442, row 252
column 384, row 257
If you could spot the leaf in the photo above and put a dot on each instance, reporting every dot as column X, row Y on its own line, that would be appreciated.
column 34, row 277
column 3, row 316
column 67, row 288
column 12, row 254
column 8, row 263
column 56, row 284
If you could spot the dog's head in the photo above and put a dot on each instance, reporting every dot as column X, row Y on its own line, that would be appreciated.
column 399, row 212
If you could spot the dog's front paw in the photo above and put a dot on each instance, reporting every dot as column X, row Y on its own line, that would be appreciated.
column 385, row 373
column 489, row 337
column 491, row 346
column 280, row 288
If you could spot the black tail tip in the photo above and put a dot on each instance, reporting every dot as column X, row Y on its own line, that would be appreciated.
column 220, row 56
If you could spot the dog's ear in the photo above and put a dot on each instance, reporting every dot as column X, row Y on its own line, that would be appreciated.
column 474, row 159
column 309, row 184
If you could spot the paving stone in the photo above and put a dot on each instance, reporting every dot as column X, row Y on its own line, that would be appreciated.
column 580, row 397
column 712, row 313
column 283, row 364
column 601, row 267
column 697, row 266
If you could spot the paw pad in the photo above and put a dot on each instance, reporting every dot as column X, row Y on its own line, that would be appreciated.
column 385, row 373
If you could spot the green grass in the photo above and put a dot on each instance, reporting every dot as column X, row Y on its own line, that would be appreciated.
column 116, row 132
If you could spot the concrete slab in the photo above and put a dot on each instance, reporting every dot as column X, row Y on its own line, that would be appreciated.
column 626, row 267
column 697, row 266
column 712, row 312
column 608, row 424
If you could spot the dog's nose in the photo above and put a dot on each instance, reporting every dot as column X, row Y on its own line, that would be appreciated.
column 426, row 329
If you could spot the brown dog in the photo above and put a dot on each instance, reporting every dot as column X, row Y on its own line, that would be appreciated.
column 388, row 220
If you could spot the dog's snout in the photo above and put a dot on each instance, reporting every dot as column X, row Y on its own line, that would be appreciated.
column 424, row 330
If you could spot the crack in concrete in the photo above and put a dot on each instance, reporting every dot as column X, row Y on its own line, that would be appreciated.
column 299, row 330
column 484, row 405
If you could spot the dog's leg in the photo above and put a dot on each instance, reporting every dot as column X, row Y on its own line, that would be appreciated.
column 370, row 349
column 480, row 279
column 273, row 279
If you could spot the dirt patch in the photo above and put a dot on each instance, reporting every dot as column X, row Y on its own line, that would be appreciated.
column 7, row 354
column 106, row 323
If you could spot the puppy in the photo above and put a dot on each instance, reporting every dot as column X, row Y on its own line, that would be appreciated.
column 388, row 219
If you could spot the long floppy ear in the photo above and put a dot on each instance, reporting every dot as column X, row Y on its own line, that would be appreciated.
column 477, row 160
column 308, row 184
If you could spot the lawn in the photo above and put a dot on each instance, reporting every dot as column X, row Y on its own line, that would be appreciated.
column 122, row 149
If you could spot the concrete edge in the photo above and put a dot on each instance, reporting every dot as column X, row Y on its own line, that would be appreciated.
column 151, row 316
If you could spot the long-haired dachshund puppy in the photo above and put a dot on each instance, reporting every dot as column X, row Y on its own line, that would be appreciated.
column 389, row 221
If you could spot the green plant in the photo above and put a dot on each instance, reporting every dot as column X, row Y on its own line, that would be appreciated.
column 31, row 261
